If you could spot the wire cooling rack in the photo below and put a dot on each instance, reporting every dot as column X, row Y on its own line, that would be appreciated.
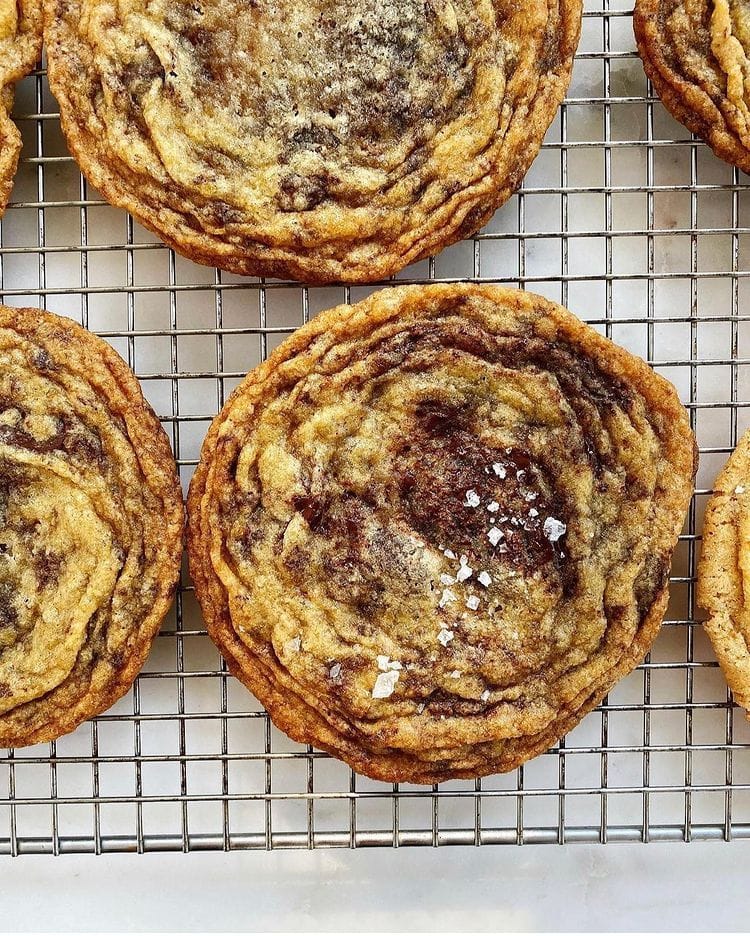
column 624, row 218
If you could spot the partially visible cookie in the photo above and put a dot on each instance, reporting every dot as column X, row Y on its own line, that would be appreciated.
column 697, row 54
column 91, row 522
column 436, row 527
column 724, row 571
column 319, row 140
column 20, row 50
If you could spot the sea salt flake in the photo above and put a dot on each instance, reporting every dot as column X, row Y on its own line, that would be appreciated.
column 445, row 637
column 533, row 512
column 740, row 489
column 530, row 496
column 447, row 597
column 493, row 507
column 484, row 578
column 420, row 708
column 465, row 572
column 385, row 684
column 456, row 674
column 485, row 697
column 472, row 499
column 495, row 535
column 554, row 529
column 499, row 470
column 446, row 579
column 335, row 671
column 385, row 663
column 472, row 602
column 294, row 645
column 449, row 554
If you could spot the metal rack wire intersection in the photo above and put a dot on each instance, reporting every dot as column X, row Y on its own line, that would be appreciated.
column 626, row 219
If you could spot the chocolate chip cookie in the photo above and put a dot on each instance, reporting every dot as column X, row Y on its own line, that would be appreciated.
column 91, row 523
column 697, row 54
column 724, row 571
column 435, row 527
column 319, row 141
column 20, row 50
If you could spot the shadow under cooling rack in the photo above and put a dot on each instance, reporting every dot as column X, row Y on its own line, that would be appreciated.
column 624, row 218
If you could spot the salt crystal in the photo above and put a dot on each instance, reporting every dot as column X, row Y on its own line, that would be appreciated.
column 472, row 499
column 495, row 535
column 465, row 571
column 499, row 470
column 533, row 512
column 445, row 637
column 485, row 695
column 554, row 529
column 493, row 507
column 420, row 708
column 446, row 579
column 472, row 602
column 456, row 674
column 740, row 489
column 449, row 554
column 385, row 684
column 294, row 645
column 385, row 663
column 447, row 597
column 335, row 671
column 484, row 578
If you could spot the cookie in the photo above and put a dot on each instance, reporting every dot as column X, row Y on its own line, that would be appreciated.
column 697, row 54
column 433, row 530
column 724, row 571
column 318, row 141
column 20, row 50
column 91, row 524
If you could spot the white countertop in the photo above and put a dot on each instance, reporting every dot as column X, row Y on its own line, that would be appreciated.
column 580, row 887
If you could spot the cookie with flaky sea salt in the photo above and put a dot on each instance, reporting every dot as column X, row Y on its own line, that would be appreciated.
column 724, row 571
column 20, row 50
column 697, row 54
column 435, row 527
column 91, row 523
column 320, row 140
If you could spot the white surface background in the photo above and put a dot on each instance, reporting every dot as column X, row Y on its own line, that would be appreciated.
column 619, row 888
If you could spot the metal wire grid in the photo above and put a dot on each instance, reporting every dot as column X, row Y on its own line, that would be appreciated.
column 626, row 219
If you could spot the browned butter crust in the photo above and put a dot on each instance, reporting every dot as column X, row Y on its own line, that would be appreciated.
column 697, row 54
column 20, row 50
column 724, row 571
column 328, row 140
column 91, row 526
column 435, row 527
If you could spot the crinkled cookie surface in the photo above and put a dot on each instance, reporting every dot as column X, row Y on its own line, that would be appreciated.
column 320, row 141
column 91, row 522
column 433, row 530
column 697, row 54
